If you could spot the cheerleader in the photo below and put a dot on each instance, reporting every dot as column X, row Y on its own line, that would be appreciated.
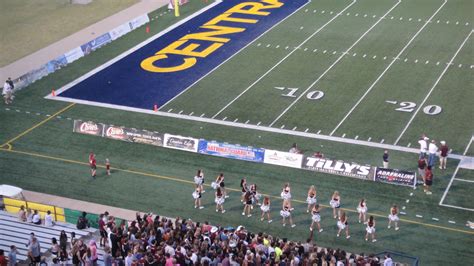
column 248, row 204
column 243, row 186
column 286, row 196
column 342, row 224
column 370, row 229
column 393, row 217
column 362, row 210
column 197, row 198
column 219, row 200
column 335, row 203
column 266, row 209
column 286, row 213
column 255, row 195
column 220, row 181
column 315, row 218
column 311, row 199
column 199, row 180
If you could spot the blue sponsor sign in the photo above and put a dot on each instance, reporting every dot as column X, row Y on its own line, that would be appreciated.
column 167, row 64
column 96, row 43
column 231, row 151
column 56, row 64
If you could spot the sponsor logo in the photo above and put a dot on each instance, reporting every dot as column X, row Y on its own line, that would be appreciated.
column 337, row 167
column 283, row 158
column 90, row 128
column 180, row 143
column 231, row 151
column 395, row 176
column 115, row 133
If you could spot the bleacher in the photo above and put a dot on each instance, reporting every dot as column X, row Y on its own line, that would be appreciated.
column 14, row 232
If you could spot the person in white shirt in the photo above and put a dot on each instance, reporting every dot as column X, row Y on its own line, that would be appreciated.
column 48, row 219
column 36, row 218
column 432, row 150
column 423, row 146
column 388, row 261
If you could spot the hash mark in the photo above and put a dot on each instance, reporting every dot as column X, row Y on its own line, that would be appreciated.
column 322, row 12
column 314, row 11
column 365, row 15
column 319, row 131
column 8, row 109
column 258, row 44
column 447, row 22
column 301, row 27
column 224, row 118
column 369, row 138
column 202, row 115
column 27, row 112
column 258, row 124
column 69, row 118
column 451, row 222
column 294, row 128
column 331, row 12
column 305, row 49
column 356, row 137
column 190, row 114
column 416, row 61
column 374, row 57
column 419, row 216
column 419, row 20
column 404, row 213
column 48, row 115
column 357, row 14
column 246, row 122
column 467, row 23
column 409, row 19
column 324, row 51
column 314, row 51
column 384, row 57
column 382, row 141
column 401, row 18
column 58, row 117
column 391, row 17
column 409, row 144
column 334, row 52
column 374, row 16
column 180, row 112
column 354, row 54
column 364, row 55
column 170, row 110
column 17, row 110
column 286, row 48
column 427, row 61
column 282, row 127
column 457, row 22
column 406, row 59
column 343, row 135
column 348, row 13
column 306, row 130
column 437, row 63
column 306, row 10
column 435, row 219
column 437, row 21
column 277, row 46
column 268, row 45
column 236, row 120
column 460, row 65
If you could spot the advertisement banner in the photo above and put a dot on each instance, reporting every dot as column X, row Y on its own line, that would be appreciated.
column 181, row 143
column 231, row 151
column 133, row 135
column 120, row 31
column 396, row 177
column 88, row 47
column 283, row 158
column 56, row 64
column 138, row 21
column 337, row 167
column 74, row 54
column 88, row 127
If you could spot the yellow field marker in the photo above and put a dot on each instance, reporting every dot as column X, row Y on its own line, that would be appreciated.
column 37, row 125
column 231, row 189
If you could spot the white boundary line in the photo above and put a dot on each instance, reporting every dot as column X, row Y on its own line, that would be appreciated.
column 464, row 180
column 284, row 58
column 334, row 63
column 451, row 182
column 135, row 48
column 432, row 88
column 387, row 68
column 253, row 127
column 212, row 70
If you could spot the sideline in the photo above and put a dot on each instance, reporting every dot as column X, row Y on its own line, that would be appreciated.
column 8, row 143
column 231, row 189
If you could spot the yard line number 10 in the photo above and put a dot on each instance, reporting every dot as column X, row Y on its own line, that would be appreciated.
column 291, row 92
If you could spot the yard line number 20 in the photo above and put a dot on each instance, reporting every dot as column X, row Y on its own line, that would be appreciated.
column 410, row 107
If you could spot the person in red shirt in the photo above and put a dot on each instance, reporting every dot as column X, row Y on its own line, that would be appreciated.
column 428, row 180
column 443, row 157
column 421, row 168
column 93, row 164
column 107, row 166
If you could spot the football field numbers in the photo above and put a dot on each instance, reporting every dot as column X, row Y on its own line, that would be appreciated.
column 409, row 107
column 291, row 92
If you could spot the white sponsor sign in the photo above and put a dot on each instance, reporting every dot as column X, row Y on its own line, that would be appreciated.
column 283, row 158
column 337, row 167
column 181, row 143
column 138, row 21
column 74, row 54
column 120, row 31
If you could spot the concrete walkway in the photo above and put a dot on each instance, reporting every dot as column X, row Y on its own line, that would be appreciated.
column 78, row 205
column 43, row 56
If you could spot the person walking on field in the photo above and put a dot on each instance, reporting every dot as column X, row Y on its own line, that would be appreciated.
column 385, row 159
column 93, row 164
column 7, row 91
column 443, row 156
column 432, row 150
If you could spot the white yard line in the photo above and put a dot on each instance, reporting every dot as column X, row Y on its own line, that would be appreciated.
column 256, row 127
column 334, row 63
column 387, row 68
column 284, row 58
column 212, row 70
column 457, row 207
column 432, row 88
column 452, row 179
column 464, row 180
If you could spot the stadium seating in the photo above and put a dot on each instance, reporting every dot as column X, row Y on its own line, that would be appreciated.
column 14, row 232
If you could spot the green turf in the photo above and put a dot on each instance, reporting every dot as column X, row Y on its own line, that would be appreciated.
column 34, row 24
column 459, row 194
column 142, row 188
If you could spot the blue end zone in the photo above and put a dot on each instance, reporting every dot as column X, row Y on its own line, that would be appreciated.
column 126, row 83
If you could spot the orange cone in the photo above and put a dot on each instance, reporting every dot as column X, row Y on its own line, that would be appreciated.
column 53, row 93
column 147, row 29
column 155, row 108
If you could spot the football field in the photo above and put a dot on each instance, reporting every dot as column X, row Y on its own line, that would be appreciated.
column 347, row 78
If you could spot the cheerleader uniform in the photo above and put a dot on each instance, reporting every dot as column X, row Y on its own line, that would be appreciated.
column 265, row 208
column 285, row 213
column 219, row 200
column 335, row 203
column 311, row 199
column 370, row 228
column 196, row 194
column 198, row 180
column 341, row 225
column 285, row 194
column 393, row 216
column 362, row 208
column 315, row 216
